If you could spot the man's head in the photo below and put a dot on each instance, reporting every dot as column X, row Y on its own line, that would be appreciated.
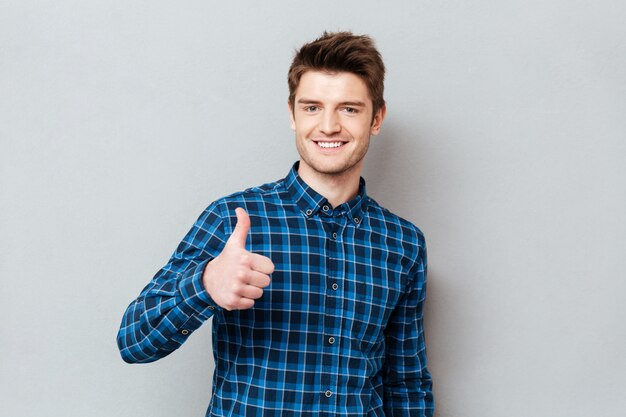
column 341, row 52
column 336, row 103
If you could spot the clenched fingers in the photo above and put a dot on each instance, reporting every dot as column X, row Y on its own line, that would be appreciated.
column 258, row 279
column 251, row 292
column 261, row 263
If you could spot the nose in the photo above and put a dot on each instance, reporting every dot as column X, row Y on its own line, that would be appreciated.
column 329, row 123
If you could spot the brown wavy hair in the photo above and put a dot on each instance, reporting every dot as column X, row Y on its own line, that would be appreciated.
column 341, row 52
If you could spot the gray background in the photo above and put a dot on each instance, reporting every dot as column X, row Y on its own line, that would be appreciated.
column 505, row 142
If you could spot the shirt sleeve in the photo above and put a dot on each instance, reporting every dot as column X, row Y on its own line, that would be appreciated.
column 406, row 379
column 175, row 302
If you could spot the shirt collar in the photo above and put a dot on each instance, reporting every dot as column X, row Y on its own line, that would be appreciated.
column 311, row 202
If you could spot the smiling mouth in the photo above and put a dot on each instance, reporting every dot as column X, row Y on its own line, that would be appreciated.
column 329, row 145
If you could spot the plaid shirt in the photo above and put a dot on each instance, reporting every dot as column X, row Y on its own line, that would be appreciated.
column 338, row 332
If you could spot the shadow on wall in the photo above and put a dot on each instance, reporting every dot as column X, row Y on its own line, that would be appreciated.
column 436, row 294
column 396, row 168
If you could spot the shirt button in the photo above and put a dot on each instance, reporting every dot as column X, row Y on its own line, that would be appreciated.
column 334, row 235
column 331, row 340
column 325, row 208
column 308, row 212
column 357, row 220
column 211, row 308
column 335, row 287
column 328, row 394
column 185, row 332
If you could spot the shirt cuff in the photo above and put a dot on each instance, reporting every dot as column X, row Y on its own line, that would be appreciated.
column 196, row 300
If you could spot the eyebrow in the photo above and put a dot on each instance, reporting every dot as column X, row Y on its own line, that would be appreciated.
column 343, row 103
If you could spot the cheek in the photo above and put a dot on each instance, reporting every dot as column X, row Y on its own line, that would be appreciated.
column 304, row 127
column 358, row 129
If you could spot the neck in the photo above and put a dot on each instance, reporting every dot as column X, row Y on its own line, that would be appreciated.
column 336, row 188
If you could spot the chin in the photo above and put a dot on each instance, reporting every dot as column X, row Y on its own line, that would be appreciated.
column 332, row 169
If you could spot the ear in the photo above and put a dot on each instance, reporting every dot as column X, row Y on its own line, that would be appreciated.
column 291, row 115
column 377, row 123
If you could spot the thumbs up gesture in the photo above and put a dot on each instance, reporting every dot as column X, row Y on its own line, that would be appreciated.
column 236, row 277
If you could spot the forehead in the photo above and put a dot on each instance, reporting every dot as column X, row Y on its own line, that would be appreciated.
column 332, row 87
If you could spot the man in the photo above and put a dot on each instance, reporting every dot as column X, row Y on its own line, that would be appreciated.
column 316, row 291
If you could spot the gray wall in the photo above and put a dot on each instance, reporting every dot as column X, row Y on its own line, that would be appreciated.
column 505, row 142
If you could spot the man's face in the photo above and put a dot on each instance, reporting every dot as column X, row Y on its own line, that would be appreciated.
column 332, row 118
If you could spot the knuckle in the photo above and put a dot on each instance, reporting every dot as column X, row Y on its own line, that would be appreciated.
column 236, row 288
column 226, row 305
column 233, row 301
column 262, row 282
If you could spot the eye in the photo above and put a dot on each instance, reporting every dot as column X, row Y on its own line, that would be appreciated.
column 350, row 110
column 310, row 109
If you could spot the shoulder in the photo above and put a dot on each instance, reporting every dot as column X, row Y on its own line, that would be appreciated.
column 259, row 200
column 402, row 236
column 383, row 214
column 394, row 225
column 264, row 192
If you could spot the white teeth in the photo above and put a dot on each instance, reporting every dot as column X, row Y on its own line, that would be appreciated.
column 329, row 144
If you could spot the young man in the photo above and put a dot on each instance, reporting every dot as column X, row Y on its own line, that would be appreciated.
column 316, row 291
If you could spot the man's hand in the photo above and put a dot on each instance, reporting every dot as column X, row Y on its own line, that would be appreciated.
column 236, row 277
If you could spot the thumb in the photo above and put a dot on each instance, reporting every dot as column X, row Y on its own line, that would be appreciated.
column 238, row 238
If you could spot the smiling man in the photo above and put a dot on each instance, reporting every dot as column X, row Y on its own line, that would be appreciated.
column 333, row 117
column 316, row 291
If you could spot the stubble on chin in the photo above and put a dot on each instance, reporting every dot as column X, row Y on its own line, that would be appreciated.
column 330, row 170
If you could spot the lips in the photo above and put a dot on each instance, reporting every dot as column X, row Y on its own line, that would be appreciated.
column 329, row 144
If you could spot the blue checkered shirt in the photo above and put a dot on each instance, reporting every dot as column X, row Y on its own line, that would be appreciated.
column 339, row 331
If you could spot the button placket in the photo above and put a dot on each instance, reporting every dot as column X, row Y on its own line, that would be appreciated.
column 333, row 313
